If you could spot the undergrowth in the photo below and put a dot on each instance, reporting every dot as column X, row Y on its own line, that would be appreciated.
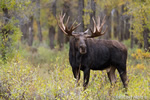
column 46, row 74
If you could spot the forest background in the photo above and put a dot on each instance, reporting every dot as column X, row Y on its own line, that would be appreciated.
column 34, row 61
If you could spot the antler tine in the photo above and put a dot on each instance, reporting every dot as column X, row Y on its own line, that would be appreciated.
column 94, row 25
column 64, row 16
column 98, row 23
column 61, row 27
column 103, row 22
column 105, row 30
column 61, row 21
column 104, row 18
column 64, row 27
column 73, row 24
column 61, row 14
column 98, row 28
column 76, row 26
column 67, row 20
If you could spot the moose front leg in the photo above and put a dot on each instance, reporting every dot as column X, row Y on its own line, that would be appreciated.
column 86, row 77
column 76, row 73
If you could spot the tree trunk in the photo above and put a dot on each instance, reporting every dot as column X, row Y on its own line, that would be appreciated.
column 51, row 36
column 121, row 24
column 116, row 23
column 80, row 15
column 5, row 33
column 146, row 37
column 24, row 30
column 6, row 15
column 30, row 35
column 92, row 14
column 60, row 38
column 51, row 27
column 40, row 36
column 132, row 39
column 107, row 24
column 127, row 32
column 67, row 10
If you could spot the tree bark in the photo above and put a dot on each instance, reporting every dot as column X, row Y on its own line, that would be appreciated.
column 51, row 36
column 121, row 24
column 146, row 37
column 51, row 27
column 30, row 35
column 40, row 36
column 132, row 39
column 107, row 24
column 80, row 15
column 24, row 30
column 126, row 23
column 127, row 32
column 67, row 10
column 92, row 14
column 116, row 23
column 60, row 39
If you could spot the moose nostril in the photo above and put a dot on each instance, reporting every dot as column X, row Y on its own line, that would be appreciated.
column 83, row 47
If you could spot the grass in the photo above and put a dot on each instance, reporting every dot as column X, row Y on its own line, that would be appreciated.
column 46, row 74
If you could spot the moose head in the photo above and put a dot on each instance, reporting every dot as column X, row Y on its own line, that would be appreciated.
column 81, row 37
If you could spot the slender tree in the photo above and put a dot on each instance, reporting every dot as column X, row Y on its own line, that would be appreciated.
column 92, row 14
column 80, row 15
column 115, row 15
column 121, row 24
column 52, row 27
column 60, row 39
column 24, row 29
column 107, row 16
column 40, row 36
column 67, row 11
column 30, row 35
column 146, row 37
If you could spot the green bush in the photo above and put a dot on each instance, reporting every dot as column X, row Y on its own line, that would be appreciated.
column 52, row 78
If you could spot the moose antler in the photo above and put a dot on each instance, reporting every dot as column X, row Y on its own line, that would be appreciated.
column 65, row 28
column 97, row 28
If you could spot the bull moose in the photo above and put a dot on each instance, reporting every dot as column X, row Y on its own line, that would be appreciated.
column 87, row 53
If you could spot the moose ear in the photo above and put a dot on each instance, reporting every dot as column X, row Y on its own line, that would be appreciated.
column 86, row 32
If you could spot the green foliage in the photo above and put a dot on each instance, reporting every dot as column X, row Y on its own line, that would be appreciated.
column 53, row 78
column 20, row 80
column 34, row 73
column 52, row 21
column 86, row 19
column 9, row 40
column 110, row 4
column 11, row 4
column 140, row 11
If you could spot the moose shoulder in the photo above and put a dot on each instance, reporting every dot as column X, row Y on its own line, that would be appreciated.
column 87, row 53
